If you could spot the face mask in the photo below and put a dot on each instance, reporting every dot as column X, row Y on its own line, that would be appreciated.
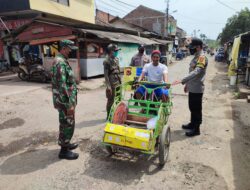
column 192, row 51
column 141, row 51
column 115, row 54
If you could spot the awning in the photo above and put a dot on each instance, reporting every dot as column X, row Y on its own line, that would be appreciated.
column 53, row 39
column 164, row 42
column 144, row 41
column 120, row 37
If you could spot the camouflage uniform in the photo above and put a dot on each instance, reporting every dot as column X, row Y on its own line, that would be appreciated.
column 64, row 97
column 112, row 79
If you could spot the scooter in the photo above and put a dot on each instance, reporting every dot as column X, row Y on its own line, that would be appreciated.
column 29, row 71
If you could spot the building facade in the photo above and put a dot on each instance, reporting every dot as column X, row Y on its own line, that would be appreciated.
column 152, row 20
column 16, row 13
column 73, row 9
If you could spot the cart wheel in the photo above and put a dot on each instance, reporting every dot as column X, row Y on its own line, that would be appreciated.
column 164, row 145
column 109, row 150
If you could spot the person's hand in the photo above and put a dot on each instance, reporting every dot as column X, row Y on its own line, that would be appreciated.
column 176, row 82
column 185, row 89
column 71, row 111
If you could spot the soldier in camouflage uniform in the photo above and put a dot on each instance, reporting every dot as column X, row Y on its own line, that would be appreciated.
column 65, row 99
column 194, row 84
column 112, row 74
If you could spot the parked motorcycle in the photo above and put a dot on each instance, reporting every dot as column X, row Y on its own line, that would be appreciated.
column 30, row 71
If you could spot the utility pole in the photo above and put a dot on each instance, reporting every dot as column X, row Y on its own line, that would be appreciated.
column 166, row 19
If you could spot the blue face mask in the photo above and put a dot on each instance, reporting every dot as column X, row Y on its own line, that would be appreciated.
column 115, row 54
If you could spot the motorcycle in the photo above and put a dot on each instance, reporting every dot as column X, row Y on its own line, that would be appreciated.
column 32, row 70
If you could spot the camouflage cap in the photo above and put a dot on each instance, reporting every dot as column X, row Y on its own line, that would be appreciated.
column 68, row 43
column 113, row 47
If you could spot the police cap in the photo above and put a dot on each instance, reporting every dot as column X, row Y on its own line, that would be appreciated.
column 196, row 42
column 141, row 46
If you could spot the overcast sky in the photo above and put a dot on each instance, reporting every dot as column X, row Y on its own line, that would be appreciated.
column 208, row 16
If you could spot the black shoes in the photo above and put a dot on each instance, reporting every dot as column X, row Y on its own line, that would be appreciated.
column 193, row 132
column 187, row 126
column 65, row 153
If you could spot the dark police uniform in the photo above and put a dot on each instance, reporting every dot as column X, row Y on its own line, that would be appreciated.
column 195, row 86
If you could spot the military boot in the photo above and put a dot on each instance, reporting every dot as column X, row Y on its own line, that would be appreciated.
column 65, row 153
column 72, row 146
column 193, row 132
column 187, row 126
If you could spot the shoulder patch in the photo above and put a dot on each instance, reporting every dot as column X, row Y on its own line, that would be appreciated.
column 201, row 59
column 201, row 62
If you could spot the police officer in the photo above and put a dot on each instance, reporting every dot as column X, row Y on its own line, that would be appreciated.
column 65, row 99
column 140, row 59
column 194, row 84
column 112, row 74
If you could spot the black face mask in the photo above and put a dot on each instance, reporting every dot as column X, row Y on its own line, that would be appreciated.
column 192, row 51
column 141, row 51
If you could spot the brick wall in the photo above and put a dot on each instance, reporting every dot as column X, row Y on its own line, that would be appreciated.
column 147, row 23
column 103, row 17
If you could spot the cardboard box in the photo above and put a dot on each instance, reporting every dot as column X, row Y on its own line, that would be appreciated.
column 114, row 139
column 127, row 136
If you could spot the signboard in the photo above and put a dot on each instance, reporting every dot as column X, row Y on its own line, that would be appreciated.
column 172, row 27
column 157, row 27
column 14, row 24
column 130, row 75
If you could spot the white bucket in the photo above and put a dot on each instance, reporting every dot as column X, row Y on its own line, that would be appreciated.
column 233, row 80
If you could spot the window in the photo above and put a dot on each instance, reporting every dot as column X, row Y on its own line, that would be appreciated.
column 64, row 2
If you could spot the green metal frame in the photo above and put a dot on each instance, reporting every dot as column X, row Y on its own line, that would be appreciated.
column 163, row 109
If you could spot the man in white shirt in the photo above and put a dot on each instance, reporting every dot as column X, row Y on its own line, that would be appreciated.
column 157, row 73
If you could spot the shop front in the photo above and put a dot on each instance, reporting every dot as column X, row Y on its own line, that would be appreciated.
column 46, row 37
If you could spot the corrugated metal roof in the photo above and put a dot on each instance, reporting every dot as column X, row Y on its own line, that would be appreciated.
column 163, row 41
column 120, row 37
column 145, row 41
column 52, row 39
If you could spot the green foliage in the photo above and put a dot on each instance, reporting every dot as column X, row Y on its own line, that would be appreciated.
column 203, row 37
column 212, row 44
column 237, row 24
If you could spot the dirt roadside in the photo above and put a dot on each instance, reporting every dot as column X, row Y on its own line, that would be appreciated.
column 217, row 159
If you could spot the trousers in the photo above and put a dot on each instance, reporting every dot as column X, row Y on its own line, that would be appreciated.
column 66, row 127
column 195, row 107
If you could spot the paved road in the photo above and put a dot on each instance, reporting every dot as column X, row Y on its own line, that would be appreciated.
column 28, row 149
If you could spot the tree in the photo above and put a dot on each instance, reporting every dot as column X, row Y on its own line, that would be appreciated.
column 212, row 44
column 237, row 24
column 203, row 37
